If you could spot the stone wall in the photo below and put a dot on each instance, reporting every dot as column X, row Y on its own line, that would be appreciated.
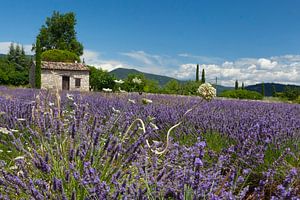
column 52, row 79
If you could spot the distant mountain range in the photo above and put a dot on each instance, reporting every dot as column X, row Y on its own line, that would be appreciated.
column 122, row 73
column 269, row 88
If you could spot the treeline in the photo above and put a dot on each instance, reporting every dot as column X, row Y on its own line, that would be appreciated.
column 101, row 79
column 14, row 67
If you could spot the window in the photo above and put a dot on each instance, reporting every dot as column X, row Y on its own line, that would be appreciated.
column 77, row 82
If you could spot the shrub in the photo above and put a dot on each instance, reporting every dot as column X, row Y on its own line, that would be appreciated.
column 242, row 94
column 56, row 55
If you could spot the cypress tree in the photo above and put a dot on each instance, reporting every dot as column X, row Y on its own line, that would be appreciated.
column 197, row 73
column 273, row 90
column 243, row 86
column 38, row 64
column 263, row 89
column 236, row 85
column 203, row 76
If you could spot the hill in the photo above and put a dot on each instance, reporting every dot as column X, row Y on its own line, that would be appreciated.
column 268, row 88
column 122, row 73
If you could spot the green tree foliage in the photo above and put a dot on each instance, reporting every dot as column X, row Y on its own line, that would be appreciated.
column 291, row 93
column 17, row 55
column 236, row 85
column 263, row 89
column 130, row 86
column 242, row 94
column 38, row 64
column 273, row 90
column 197, row 73
column 203, row 76
column 190, row 88
column 59, row 33
column 100, row 79
column 172, row 87
column 56, row 55
column 243, row 86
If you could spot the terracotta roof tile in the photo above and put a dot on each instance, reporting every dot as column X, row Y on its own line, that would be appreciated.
column 64, row 66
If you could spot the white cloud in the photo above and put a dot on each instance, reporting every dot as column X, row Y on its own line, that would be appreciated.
column 94, row 58
column 4, row 48
column 282, row 69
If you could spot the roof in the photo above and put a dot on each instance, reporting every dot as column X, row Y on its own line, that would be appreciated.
column 64, row 66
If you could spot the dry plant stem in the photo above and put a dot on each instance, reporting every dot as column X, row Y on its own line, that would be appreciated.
column 173, row 127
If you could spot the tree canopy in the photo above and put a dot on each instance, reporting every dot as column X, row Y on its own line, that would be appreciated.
column 59, row 33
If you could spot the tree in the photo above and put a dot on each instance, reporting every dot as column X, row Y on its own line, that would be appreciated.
column 236, row 85
column 197, row 73
column 57, row 55
column 100, row 79
column 38, row 64
column 273, row 90
column 263, row 89
column 59, row 33
column 203, row 76
column 172, row 87
column 243, row 86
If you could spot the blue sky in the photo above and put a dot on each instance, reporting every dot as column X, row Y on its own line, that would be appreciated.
column 252, row 41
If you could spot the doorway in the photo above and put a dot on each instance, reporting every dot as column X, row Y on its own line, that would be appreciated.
column 66, row 83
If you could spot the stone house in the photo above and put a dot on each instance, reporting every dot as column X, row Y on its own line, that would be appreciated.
column 64, row 76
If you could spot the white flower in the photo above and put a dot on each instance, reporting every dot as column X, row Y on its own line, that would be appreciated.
column 8, row 151
column 13, row 167
column 131, row 101
column 19, row 158
column 122, row 91
column 70, row 96
column 51, row 103
column 137, row 80
column 14, row 130
column 4, row 130
column 207, row 91
column 21, row 119
column 2, row 113
column 115, row 110
column 1, row 150
column 146, row 101
column 107, row 90
column 119, row 81
column 153, row 126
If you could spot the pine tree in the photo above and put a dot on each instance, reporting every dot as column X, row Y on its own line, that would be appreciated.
column 38, row 64
column 203, row 76
column 236, row 85
column 243, row 86
column 11, row 53
column 197, row 73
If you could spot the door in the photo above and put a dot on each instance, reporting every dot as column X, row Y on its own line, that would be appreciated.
column 65, row 82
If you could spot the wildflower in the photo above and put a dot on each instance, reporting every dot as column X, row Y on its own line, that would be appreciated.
column 198, row 162
column 13, row 167
column 122, row 91
column 8, row 151
column 153, row 126
column 14, row 130
column 21, row 119
column 19, row 158
column 119, row 81
column 115, row 110
column 107, row 90
column 4, row 130
column 70, row 97
column 51, row 103
column 207, row 91
column 137, row 80
column 131, row 101
column 1, row 150
column 146, row 101
column 2, row 113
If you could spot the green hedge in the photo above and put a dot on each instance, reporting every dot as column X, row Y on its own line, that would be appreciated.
column 242, row 94
column 56, row 55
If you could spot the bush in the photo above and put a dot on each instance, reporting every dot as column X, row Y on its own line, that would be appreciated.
column 242, row 94
column 56, row 55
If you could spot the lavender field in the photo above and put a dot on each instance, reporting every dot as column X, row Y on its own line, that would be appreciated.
column 121, row 146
